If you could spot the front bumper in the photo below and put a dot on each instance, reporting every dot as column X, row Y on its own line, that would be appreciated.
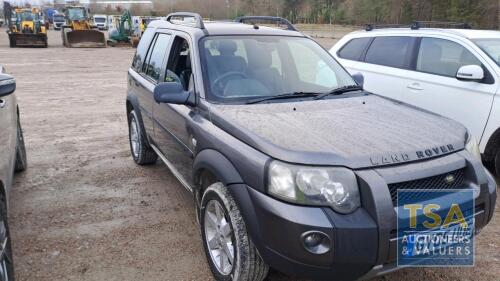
column 364, row 242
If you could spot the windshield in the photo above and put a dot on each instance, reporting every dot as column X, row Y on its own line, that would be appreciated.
column 240, row 68
column 59, row 18
column 76, row 14
column 27, row 16
column 99, row 20
column 491, row 47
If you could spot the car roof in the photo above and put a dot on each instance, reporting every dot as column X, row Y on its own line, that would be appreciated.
column 226, row 28
column 465, row 33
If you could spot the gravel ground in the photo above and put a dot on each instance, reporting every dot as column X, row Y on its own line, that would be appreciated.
column 84, row 211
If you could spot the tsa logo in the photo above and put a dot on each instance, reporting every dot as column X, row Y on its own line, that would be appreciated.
column 435, row 228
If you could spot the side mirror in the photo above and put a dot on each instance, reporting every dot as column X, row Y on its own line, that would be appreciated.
column 359, row 78
column 7, row 85
column 173, row 92
column 470, row 73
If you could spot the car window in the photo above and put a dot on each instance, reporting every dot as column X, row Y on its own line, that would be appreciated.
column 312, row 68
column 443, row 57
column 153, row 67
column 389, row 51
column 238, row 68
column 354, row 48
column 142, row 49
column 491, row 46
column 179, row 64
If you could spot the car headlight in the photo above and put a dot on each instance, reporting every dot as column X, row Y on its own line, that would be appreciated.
column 472, row 146
column 319, row 186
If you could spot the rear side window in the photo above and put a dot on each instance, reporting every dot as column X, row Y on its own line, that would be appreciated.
column 142, row 49
column 390, row 51
column 153, row 65
column 354, row 48
column 443, row 57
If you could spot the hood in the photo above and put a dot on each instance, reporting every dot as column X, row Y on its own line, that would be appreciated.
column 356, row 132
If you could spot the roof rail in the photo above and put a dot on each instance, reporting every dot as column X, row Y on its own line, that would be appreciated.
column 277, row 20
column 420, row 24
column 442, row 24
column 198, row 20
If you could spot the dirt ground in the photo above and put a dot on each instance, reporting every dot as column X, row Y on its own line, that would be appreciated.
column 84, row 211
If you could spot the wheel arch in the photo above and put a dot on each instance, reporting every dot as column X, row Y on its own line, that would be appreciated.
column 214, row 166
column 3, row 193
column 492, row 146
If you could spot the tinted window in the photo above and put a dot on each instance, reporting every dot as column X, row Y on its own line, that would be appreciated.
column 443, row 57
column 354, row 48
column 153, row 67
column 142, row 49
column 389, row 51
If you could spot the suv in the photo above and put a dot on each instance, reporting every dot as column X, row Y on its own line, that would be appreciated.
column 291, row 164
column 452, row 72
column 12, row 159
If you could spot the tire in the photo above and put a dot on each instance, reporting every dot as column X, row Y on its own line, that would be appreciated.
column 497, row 162
column 142, row 153
column 6, row 261
column 21, row 157
column 227, row 233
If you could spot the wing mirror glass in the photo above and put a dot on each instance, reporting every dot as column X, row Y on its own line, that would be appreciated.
column 174, row 93
column 7, row 85
column 470, row 73
column 359, row 79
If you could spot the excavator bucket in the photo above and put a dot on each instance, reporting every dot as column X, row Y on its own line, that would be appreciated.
column 84, row 39
column 28, row 40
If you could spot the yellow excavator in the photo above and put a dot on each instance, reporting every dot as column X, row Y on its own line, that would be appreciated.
column 28, row 29
column 79, row 31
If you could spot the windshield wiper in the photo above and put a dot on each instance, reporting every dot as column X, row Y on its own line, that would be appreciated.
column 340, row 91
column 284, row 96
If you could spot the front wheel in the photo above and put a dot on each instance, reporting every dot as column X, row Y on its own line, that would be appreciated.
column 230, row 252
column 6, row 262
column 497, row 162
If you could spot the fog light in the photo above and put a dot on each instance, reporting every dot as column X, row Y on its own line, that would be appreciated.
column 316, row 242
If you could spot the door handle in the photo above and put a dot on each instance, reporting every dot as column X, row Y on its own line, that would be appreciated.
column 3, row 103
column 415, row 86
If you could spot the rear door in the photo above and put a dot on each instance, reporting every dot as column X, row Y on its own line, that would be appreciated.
column 8, row 138
column 434, row 85
column 141, row 83
column 386, row 65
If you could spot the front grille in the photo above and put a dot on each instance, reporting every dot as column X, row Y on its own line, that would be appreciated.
column 431, row 183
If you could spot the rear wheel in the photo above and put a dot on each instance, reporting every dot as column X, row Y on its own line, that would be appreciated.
column 141, row 152
column 230, row 252
column 21, row 158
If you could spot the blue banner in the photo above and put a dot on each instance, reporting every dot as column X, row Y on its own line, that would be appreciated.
column 435, row 227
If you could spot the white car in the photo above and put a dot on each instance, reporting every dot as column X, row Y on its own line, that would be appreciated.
column 452, row 72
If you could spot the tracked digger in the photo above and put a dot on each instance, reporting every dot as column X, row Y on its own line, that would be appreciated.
column 27, row 30
column 123, row 35
column 79, row 31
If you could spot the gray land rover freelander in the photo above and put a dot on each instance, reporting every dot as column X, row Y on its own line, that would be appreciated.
column 292, row 166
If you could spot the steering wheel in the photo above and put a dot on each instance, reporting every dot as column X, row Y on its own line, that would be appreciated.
column 217, row 85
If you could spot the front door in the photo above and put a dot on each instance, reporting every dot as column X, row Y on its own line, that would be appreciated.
column 434, row 85
column 172, row 132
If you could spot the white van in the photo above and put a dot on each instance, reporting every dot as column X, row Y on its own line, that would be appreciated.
column 101, row 21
